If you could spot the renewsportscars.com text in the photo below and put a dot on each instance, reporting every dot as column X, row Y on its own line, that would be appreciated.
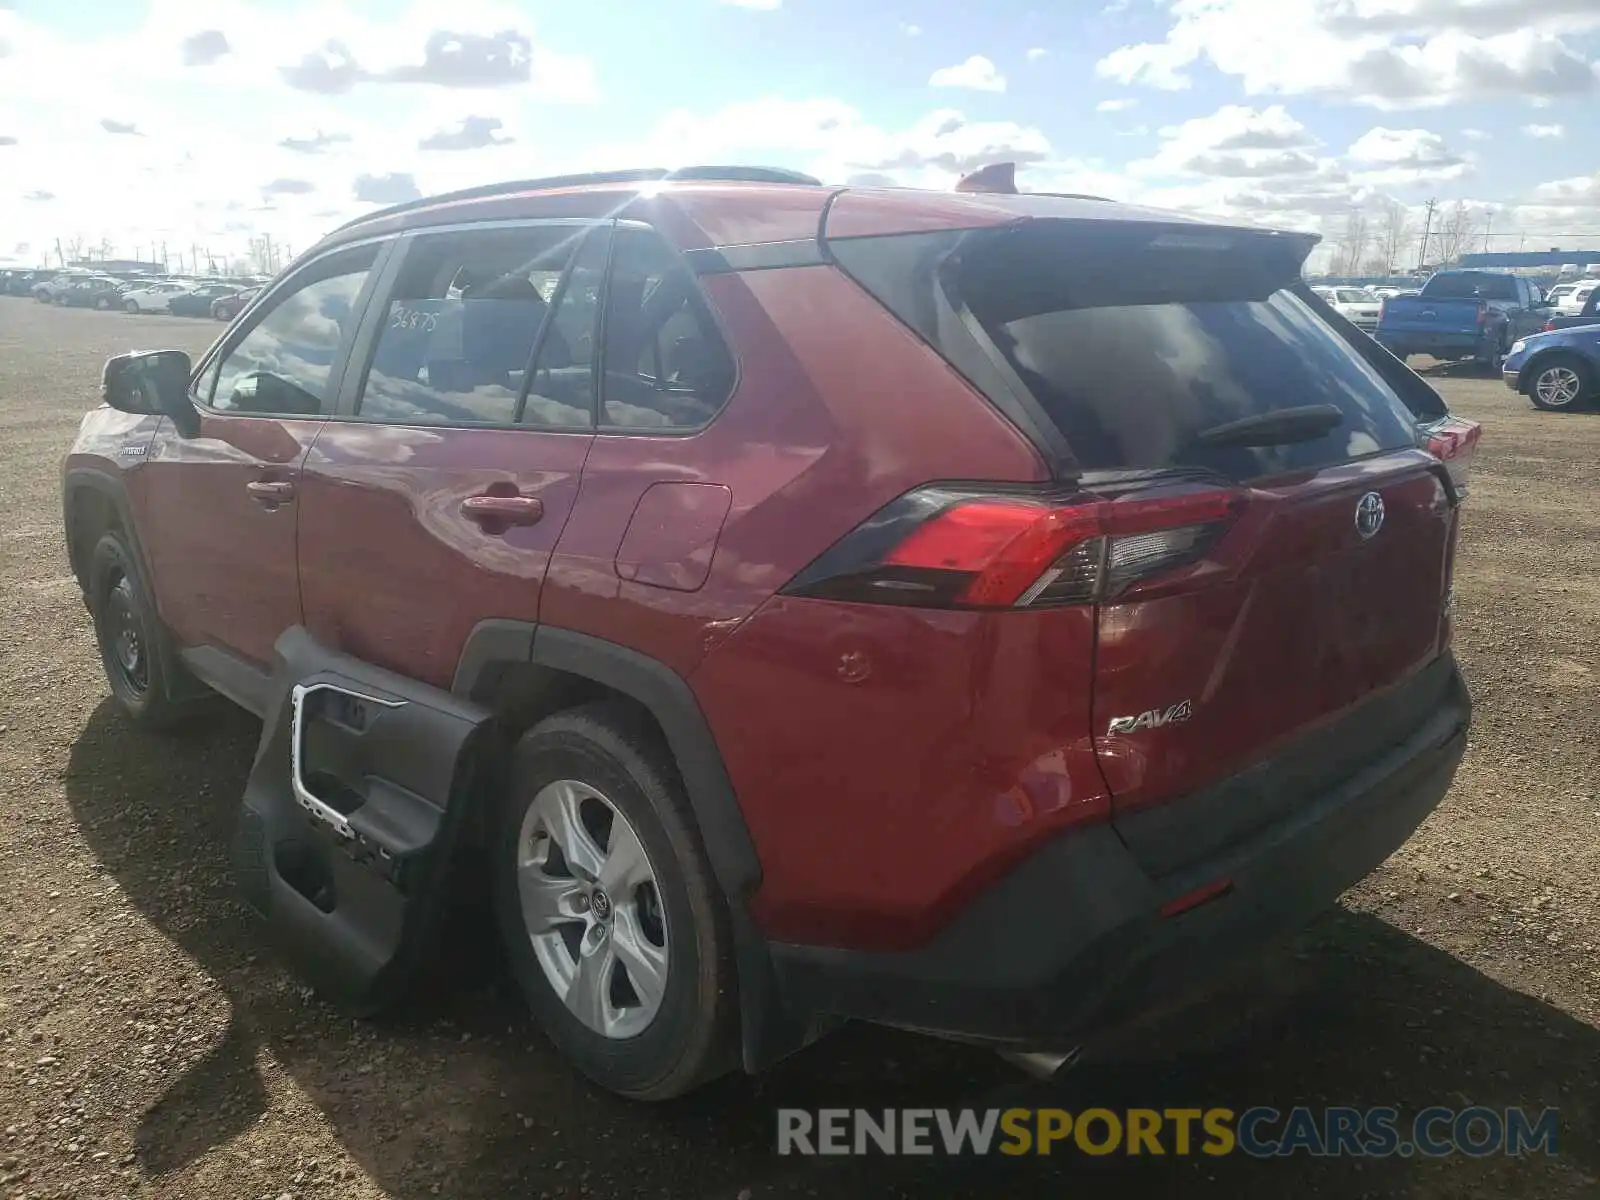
column 1260, row 1132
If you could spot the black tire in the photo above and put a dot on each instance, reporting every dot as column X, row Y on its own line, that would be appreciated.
column 119, row 604
column 692, row 1037
column 133, row 307
column 1561, row 362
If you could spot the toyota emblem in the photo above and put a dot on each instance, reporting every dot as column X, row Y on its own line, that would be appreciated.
column 1369, row 515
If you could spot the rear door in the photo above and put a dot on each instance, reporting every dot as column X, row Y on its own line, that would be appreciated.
column 1187, row 375
column 436, row 499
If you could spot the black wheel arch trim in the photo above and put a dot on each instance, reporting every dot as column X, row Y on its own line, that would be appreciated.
column 74, row 483
column 769, row 1030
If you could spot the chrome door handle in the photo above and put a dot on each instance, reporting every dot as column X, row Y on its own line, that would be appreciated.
column 503, row 510
column 270, row 493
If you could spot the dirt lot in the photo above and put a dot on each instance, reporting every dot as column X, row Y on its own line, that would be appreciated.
column 151, row 1046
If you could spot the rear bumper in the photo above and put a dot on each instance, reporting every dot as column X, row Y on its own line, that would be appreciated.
column 1072, row 943
column 1439, row 345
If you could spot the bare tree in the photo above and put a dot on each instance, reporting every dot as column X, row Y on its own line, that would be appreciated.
column 1456, row 231
column 1356, row 237
column 1393, row 233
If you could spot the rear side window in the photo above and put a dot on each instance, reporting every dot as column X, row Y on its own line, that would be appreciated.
column 666, row 367
column 468, row 314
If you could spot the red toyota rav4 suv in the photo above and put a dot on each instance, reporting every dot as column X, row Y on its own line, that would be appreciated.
column 985, row 614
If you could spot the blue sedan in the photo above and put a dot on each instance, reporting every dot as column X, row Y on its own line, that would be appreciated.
column 1559, row 370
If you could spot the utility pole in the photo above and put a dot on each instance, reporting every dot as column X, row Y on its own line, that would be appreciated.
column 1488, row 220
column 1422, row 254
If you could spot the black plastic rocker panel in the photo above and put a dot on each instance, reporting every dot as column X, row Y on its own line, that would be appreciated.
column 350, row 816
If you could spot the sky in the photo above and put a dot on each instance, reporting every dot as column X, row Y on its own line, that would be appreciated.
column 206, row 123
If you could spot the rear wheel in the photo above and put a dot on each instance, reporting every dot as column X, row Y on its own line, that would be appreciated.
column 1560, row 382
column 611, row 919
column 132, row 306
column 102, row 304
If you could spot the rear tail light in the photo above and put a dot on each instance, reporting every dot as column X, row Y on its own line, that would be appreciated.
column 1483, row 314
column 1453, row 441
column 949, row 548
column 1550, row 326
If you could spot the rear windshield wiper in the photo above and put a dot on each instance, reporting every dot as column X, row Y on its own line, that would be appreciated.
column 1279, row 427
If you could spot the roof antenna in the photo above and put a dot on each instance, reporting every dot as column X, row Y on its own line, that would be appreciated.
column 996, row 178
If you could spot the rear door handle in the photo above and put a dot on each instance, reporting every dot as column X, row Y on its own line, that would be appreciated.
column 503, row 511
column 270, row 492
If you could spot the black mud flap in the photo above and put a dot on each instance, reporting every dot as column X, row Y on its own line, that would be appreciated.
column 350, row 817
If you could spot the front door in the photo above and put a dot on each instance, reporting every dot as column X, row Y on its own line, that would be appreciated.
column 437, row 499
column 221, row 503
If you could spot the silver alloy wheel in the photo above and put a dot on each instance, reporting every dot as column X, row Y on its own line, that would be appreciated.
column 1557, row 386
column 592, row 908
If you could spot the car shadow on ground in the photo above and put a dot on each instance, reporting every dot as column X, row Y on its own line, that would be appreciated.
column 458, row 1096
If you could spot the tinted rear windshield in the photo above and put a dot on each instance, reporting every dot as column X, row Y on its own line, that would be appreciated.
column 1467, row 286
column 1135, row 342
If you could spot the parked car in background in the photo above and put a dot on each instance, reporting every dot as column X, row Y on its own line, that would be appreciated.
column 46, row 289
column 152, row 297
column 1589, row 314
column 1463, row 315
column 90, row 291
column 1357, row 305
column 1151, row 613
column 1569, row 299
column 196, row 301
column 1557, row 370
column 226, row 308
column 21, row 281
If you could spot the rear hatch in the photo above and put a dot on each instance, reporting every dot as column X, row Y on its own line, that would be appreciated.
column 1269, row 548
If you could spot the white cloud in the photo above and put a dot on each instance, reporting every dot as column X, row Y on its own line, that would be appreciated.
column 1386, row 53
column 1581, row 192
column 1239, row 127
column 1035, row 53
column 977, row 73
column 1545, row 131
column 1110, row 106
column 1238, row 142
column 764, row 5
column 1476, row 135
column 910, row 30
column 1404, row 156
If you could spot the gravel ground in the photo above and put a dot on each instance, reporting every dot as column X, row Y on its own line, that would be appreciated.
column 150, row 1045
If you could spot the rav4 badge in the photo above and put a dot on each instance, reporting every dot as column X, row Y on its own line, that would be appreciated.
column 1153, row 718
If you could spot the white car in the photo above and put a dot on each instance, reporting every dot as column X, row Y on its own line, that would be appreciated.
column 1357, row 305
column 153, row 298
column 1569, row 298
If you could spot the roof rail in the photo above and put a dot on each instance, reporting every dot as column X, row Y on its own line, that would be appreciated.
column 732, row 174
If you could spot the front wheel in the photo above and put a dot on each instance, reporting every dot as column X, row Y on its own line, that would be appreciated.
column 125, row 625
column 1561, row 382
column 132, row 306
column 613, row 924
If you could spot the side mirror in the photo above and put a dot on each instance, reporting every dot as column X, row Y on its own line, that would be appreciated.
column 154, row 384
